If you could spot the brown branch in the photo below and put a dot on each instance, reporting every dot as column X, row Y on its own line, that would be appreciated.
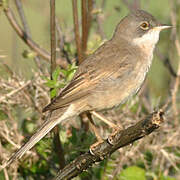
column 76, row 30
column 34, row 46
column 177, row 80
column 9, row 14
column 100, row 20
column 87, row 6
column 58, row 147
column 22, row 16
column 56, row 140
column 89, row 18
column 59, row 35
column 84, row 25
column 26, row 28
column 90, row 9
column 53, row 35
column 115, row 141
column 61, row 42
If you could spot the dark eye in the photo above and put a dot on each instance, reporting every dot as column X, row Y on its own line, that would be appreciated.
column 144, row 26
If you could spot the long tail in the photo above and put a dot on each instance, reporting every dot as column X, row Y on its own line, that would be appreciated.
column 49, row 124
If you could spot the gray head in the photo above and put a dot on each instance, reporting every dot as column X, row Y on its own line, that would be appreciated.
column 139, row 27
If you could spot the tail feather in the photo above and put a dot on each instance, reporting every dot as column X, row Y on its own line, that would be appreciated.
column 49, row 124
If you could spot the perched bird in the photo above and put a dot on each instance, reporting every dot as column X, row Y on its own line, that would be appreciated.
column 108, row 77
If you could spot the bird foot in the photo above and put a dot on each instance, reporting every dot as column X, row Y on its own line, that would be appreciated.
column 93, row 146
column 104, row 119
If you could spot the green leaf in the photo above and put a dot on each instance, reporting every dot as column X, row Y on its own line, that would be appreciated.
column 53, row 92
column 61, row 85
column 65, row 72
column 50, row 83
column 56, row 74
column 70, row 75
column 132, row 173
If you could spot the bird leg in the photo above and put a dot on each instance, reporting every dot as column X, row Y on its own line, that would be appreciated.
column 101, row 117
column 93, row 127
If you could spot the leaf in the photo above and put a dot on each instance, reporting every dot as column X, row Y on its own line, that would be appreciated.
column 71, row 71
column 53, row 92
column 70, row 76
column 132, row 173
column 56, row 74
column 50, row 83
column 61, row 85
column 65, row 72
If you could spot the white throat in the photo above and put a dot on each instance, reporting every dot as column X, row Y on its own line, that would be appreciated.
column 148, row 41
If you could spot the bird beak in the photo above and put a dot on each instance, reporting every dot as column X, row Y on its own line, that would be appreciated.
column 162, row 26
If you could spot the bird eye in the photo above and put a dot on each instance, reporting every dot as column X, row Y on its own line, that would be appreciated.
column 144, row 26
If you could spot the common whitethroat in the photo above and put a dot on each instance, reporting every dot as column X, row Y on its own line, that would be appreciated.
column 108, row 77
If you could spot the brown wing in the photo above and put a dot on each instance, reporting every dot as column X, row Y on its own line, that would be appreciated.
column 95, row 69
column 73, row 91
column 79, row 87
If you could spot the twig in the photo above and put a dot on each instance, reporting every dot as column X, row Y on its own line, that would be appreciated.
column 14, row 91
column 87, row 6
column 80, row 45
column 26, row 28
column 89, row 18
column 60, row 35
column 61, row 42
column 12, row 143
column 176, row 84
column 9, row 14
column 22, row 16
column 99, row 21
column 53, row 36
column 112, row 143
column 166, row 155
column 84, row 25
column 6, row 174
column 58, row 147
column 56, row 140
column 77, row 34
column 34, row 46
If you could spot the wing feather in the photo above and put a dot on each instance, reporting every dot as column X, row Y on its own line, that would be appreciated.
column 94, row 70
